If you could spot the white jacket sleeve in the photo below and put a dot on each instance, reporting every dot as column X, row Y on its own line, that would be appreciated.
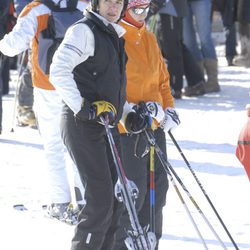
column 19, row 39
column 76, row 47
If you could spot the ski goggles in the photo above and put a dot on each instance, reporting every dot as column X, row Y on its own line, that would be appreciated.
column 140, row 10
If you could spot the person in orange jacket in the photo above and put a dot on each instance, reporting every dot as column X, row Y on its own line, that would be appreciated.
column 147, row 81
column 243, row 147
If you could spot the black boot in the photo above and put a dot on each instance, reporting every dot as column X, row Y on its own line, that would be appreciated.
column 211, row 67
column 196, row 90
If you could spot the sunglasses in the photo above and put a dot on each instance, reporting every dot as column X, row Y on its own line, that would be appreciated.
column 140, row 10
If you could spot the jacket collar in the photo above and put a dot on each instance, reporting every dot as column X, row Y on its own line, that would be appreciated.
column 118, row 29
column 133, row 34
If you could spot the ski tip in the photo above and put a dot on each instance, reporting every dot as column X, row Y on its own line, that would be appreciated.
column 20, row 207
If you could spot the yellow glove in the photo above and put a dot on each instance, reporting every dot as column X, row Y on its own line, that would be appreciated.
column 103, row 108
column 95, row 110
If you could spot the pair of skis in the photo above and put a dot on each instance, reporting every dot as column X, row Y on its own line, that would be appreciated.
column 126, row 191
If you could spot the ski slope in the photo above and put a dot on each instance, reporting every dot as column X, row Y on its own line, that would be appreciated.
column 208, row 134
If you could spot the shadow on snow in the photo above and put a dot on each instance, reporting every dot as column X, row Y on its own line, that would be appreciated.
column 20, row 143
column 198, row 241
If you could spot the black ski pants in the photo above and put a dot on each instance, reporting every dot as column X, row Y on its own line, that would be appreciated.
column 192, row 70
column 180, row 60
column 137, row 170
column 5, row 74
column 1, row 102
column 4, row 82
column 88, row 146
column 25, row 91
column 169, row 35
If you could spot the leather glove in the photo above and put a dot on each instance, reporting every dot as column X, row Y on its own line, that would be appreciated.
column 137, row 122
column 171, row 120
column 93, row 111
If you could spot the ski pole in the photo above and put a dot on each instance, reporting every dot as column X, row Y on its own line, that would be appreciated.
column 186, row 209
column 203, row 190
column 152, row 23
column 139, row 239
column 166, row 165
column 185, row 206
column 152, row 189
column 17, row 90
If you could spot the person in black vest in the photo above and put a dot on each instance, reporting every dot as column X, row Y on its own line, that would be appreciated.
column 88, row 71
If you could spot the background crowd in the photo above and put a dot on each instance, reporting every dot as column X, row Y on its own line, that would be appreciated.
column 184, row 33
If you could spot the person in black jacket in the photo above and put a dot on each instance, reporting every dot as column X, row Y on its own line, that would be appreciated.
column 4, row 62
column 243, row 17
column 180, row 61
column 88, row 71
column 227, row 10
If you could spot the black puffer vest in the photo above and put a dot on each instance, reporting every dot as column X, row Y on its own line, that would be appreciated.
column 102, row 76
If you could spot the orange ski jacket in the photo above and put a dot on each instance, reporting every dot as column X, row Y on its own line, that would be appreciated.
column 146, row 71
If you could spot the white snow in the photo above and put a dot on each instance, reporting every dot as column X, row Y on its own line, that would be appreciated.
column 208, row 134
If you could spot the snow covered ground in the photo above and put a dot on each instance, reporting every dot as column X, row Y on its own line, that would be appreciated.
column 207, row 136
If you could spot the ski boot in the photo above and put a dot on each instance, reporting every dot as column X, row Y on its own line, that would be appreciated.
column 64, row 212
column 26, row 117
column 196, row 90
